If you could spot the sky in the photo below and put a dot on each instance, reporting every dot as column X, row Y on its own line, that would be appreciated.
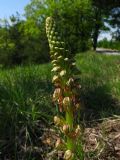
column 9, row 7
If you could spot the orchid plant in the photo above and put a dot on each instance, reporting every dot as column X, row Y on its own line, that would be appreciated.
column 65, row 95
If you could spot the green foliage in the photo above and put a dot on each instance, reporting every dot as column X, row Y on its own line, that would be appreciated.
column 22, row 42
column 80, row 23
column 100, row 82
column 25, row 99
column 112, row 44
column 24, row 103
column 72, row 16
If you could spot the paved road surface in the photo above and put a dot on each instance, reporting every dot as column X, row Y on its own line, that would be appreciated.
column 107, row 51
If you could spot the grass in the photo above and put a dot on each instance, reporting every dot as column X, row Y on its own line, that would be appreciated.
column 115, row 45
column 25, row 98
column 100, row 81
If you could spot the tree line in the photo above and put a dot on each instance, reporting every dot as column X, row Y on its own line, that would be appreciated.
column 23, row 41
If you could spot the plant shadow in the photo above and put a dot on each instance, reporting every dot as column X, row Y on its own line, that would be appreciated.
column 98, row 103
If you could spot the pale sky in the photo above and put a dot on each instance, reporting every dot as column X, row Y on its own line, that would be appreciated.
column 9, row 7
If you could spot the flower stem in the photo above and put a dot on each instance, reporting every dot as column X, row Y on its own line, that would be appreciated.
column 69, row 121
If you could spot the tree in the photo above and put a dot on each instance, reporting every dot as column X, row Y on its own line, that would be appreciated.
column 101, row 13
column 6, row 45
column 73, row 16
column 114, row 21
column 22, row 42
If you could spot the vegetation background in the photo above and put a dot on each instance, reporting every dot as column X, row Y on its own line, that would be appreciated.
column 26, row 109
column 23, row 41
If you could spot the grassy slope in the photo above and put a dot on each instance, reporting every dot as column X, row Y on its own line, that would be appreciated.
column 100, row 80
column 25, row 92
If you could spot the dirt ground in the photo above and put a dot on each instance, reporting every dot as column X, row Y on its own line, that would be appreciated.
column 101, row 140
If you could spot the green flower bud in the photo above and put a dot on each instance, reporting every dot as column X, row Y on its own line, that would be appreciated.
column 63, row 43
column 60, row 57
column 56, row 33
column 73, row 64
column 54, row 65
column 56, row 54
column 52, row 33
column 54, row 38
column 62, row 49
column 53, row 25
column 56, row 48
column 50, row 37
column 58, row 43
column 58, row 37
column 53, row 42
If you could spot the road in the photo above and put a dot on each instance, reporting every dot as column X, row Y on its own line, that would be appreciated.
column 107, row 51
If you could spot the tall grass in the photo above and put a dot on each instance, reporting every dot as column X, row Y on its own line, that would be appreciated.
column 100, row 80
column 25, row 99
column 109, row 44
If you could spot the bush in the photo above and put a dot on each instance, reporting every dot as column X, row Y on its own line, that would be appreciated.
column 109, row 44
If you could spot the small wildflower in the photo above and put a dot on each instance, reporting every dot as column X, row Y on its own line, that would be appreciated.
column 54, row 65
column 54, row 38
column 59, row 143
column 51, row 56
column 54, row 61
column 70, row 81
column 58, row 37
column 55, row 69
column 57, row 93
column 66, row 59
column 77, row 106
column 63, row 73
column 77, row 131
column 50, row 36
column 53, row 42
column 60, row 57
column 52, row 33
column 73, row 64
column 56, row 48
column 57, row 120
column 62, row 43
column 65, row 128
column 55, row 78
column 66, row 101
column 57, row 43
column 66, row 92
column 50, row 45
column 56, row 33
column 62, row 49
column 56, row 54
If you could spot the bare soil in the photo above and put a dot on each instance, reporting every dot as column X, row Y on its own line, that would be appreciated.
column 101, row 140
